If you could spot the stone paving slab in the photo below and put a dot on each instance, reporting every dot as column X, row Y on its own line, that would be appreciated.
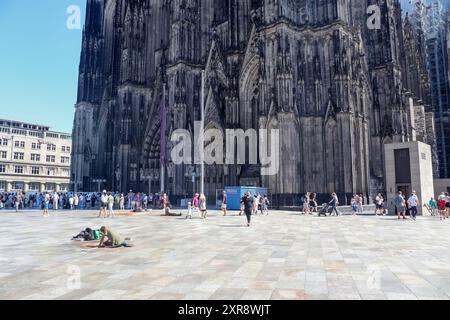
column 281, row 256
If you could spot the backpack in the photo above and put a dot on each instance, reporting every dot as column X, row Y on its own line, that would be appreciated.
column 441, row 204
column 96, row 234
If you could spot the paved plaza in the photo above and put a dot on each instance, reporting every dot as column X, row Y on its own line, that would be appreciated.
column 281, row 256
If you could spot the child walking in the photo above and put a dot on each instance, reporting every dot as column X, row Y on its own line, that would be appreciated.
column 189, row 212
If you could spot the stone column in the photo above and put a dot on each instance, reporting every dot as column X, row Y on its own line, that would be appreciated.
column 26, row 187
column 8, row 186
column 58, row 187
column 42, row 187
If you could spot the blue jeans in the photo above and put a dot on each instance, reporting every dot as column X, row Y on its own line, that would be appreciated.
column 334, row 208
column 413, row 211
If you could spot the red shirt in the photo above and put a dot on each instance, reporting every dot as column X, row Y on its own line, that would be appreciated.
column 195, row 202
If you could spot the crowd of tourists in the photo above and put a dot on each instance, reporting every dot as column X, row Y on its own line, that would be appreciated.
column 74, row 201
column 402, row 204
column 439, row 208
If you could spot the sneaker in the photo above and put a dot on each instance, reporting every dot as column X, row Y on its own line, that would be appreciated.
column 248, row 224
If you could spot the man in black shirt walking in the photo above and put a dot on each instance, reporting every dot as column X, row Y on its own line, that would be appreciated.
column 247, row 201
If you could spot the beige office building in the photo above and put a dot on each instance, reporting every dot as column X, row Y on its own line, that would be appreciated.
column 33, row 158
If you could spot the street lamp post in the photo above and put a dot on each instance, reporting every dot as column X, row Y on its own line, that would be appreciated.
column 152, row 176
column 193, row 175
column 202, row 134
column 99, row 182
column 75, row 186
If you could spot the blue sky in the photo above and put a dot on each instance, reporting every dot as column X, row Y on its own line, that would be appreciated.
column 39, row 60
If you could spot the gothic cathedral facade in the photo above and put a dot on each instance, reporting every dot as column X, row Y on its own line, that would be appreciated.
column 313, row 69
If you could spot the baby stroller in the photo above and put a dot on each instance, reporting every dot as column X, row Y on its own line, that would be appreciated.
column 325, row 210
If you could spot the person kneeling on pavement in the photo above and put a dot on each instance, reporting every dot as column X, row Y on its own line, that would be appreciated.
column 114, row 239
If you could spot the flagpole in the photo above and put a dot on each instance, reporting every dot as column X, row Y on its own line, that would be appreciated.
column 202, row 135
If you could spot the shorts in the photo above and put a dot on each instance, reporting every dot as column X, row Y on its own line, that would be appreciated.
column 400, row 209
column 447, row 205
column 46, row 205
column 103, row 205
column 379, row 206
column 224, row 207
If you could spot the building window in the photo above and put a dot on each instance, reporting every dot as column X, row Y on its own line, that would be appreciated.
column 35, row 157
column 35, row 170
column 17, row 185
column 19, row 155
column 65, row 160
column 33, row 186
column 2, row 185
column 2, row 168
column 18, row 169
column 424, row 156
column 19, row 144
column 51, row 159
column 35, row 134
column 52, row 135
column 4, row 142
column 68, row 149
column 19, row 132
column 35, row 146
column 51, row 171
column 3, row 154
column 65, row 172
column 50, row 187
column 64, row 187
column 51, row 147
